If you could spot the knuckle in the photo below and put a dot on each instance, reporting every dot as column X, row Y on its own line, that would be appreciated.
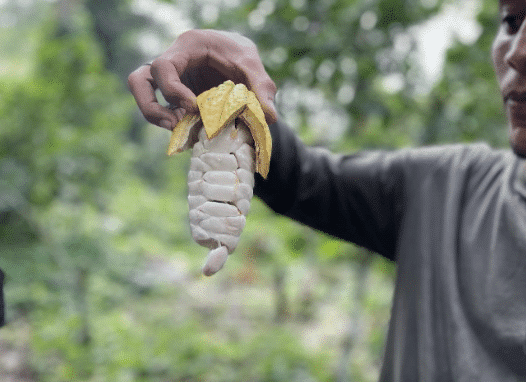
column 158, row 63
column 270, row 85
column 192, row 38
column 190, row 34
column 138, row 77
column 132, row 78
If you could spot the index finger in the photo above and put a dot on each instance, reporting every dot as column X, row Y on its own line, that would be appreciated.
column 142, row 86
column 265, row 90
column 165, row 73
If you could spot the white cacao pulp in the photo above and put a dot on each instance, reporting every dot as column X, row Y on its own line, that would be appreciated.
column 231, row 141
column 220, row 187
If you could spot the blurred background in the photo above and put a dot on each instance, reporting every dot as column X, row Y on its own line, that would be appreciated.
column 103, row 279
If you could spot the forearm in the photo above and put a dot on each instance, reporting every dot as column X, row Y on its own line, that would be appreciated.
column 349, row 197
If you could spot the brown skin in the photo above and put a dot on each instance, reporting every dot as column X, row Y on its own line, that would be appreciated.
column 509, row 60
column 197, row 61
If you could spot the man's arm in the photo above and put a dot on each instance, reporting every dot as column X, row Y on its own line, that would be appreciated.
column 357, row 198
column 350, row 197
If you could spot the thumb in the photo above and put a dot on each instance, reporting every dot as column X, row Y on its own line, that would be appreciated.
column 269, row 109
column 266, row 92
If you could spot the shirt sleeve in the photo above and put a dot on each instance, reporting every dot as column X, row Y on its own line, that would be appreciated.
column 358, row 198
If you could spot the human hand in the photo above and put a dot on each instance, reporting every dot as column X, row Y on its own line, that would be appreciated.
column 197, row 61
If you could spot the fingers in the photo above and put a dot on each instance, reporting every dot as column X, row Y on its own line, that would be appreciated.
column 238, row 59
column 142, row 87
column 165, row 73
column 198, row 61
column 265, row 91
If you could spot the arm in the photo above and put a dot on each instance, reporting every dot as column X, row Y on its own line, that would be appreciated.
column 357, row 198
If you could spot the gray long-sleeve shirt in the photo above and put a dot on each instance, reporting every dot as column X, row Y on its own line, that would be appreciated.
column 453, row 218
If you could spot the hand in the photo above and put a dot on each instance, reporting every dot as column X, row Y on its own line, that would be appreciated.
column 197, row 61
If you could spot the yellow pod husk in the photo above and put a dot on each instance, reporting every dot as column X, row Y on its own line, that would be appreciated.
column 217, row 108
column 181, row 138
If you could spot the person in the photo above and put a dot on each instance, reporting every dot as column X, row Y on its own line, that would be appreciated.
column 453, row 217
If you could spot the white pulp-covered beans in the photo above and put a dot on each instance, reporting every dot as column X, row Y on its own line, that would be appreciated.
column 219, row 161
column 222, row 167
column 245, row 176
column 220, row 186
column 245, row 157
column 219, row 209
column 195, row 201
column 220, row 177
column 218, row 192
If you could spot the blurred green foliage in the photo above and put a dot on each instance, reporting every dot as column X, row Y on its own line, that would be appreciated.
column 102, row 277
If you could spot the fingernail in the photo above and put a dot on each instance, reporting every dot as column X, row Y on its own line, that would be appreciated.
column 166, row 124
